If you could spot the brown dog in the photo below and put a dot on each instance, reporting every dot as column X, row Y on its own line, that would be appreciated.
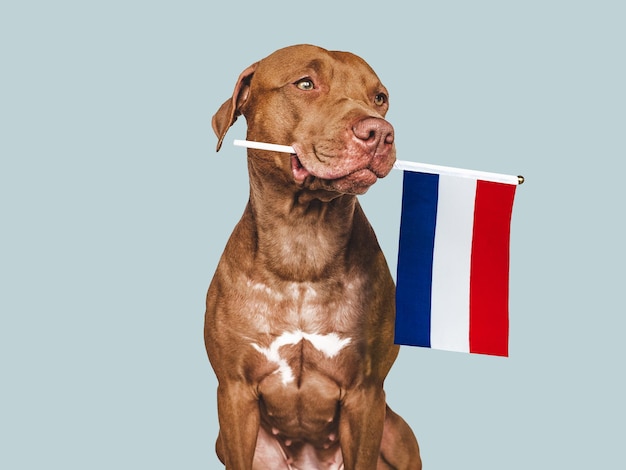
column 300, row 313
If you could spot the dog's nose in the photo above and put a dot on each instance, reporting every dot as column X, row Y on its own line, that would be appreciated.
column 375, row 134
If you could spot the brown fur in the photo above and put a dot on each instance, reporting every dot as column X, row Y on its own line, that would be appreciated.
column 300, row 312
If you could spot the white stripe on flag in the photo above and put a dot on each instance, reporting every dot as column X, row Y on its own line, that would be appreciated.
column 451, row 264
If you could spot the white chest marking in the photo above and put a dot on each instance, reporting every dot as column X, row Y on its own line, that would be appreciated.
column 330, row 345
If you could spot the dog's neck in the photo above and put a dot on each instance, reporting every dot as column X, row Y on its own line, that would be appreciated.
column 301, row 235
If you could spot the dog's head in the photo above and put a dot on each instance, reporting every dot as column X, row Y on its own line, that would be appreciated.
column 329, row 106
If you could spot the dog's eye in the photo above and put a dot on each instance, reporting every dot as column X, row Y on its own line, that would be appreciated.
column 380, row 99
column 305, row 84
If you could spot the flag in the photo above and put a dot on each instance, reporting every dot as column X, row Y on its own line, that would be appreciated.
column 453, row 263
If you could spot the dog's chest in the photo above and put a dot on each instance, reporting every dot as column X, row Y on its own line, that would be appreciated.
column 303, row 328
column 312, row 307
column 294, row 353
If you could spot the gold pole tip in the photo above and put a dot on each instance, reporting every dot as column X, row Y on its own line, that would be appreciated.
column 520, row 179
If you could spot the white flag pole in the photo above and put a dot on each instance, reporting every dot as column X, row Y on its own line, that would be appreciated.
column 404, row 165
column 447, row 170
column 264, row 146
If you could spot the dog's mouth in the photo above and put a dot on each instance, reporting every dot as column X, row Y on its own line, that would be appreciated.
column 355, row 180
column 300, row 174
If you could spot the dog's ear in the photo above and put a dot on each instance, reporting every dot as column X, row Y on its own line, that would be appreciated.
column 231, row 109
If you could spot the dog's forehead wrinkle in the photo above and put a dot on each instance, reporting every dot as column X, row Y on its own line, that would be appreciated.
column 345, row 68
column 290, row 69
column 315, row 65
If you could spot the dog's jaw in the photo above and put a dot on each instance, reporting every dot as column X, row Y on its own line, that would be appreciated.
column 350, row 180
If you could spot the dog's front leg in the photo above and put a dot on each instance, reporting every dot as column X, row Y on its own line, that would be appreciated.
column 362, row 415
column 238, row 411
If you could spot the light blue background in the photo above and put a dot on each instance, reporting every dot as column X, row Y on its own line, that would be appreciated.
column 114, row 209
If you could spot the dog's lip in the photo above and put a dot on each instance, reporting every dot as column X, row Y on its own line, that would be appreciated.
column 300, row 173
column 363, row 178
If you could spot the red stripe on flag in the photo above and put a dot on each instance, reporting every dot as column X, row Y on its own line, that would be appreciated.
column 489, row 281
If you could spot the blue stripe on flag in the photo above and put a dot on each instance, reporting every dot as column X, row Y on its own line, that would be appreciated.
column 415, row 258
